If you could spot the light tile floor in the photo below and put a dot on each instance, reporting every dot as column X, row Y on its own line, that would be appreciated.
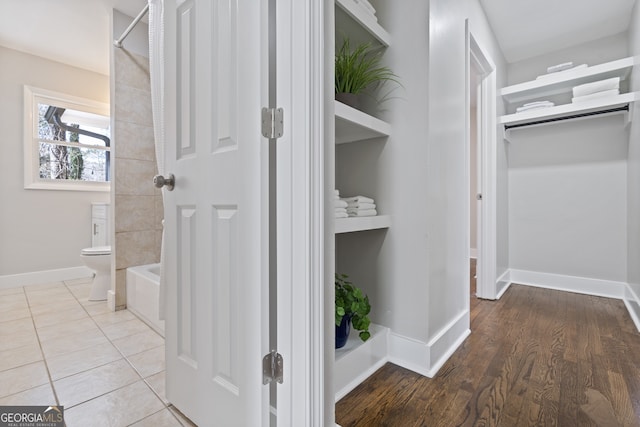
column 105, row 368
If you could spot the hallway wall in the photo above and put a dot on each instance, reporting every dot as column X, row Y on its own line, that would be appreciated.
column 447, row 170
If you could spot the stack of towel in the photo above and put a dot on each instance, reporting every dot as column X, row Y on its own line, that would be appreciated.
column 534, row 106
column 566, row 66
column 360, row 206
column 602, row 88
column 339, row 206
column 366, row 7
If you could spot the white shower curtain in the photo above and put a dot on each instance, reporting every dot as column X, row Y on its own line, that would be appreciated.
column 156, row 65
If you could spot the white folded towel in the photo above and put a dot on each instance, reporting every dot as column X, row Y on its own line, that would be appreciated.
column 559, row 67
column 599, row 86
column 336, row 194
column 340, row 204
column 541, row 104
column 337, row 210
column 361, row 199
column 342, row 215
column 602, row 94
column 368, row 7
column 368, row 212
column 349, row 210
column 360, row 205
column 577, row 67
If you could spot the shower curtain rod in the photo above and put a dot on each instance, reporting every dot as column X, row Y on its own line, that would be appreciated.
column 118, row 43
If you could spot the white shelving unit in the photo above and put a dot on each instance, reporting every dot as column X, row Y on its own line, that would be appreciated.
column 353, row 224
column 351, row 20
column 354, row 125
column 565, row 110
column 358, row 360
column 563, row 84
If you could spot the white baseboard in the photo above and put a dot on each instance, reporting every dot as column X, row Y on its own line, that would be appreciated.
column 503, row 283
column 427, row 358
column 473, row 253
column 447, row 341
column 580, row 285
column 45, row 276
column 632, row 302
column 409, row 353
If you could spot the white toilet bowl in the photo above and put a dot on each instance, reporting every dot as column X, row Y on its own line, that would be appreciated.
column 99, row 260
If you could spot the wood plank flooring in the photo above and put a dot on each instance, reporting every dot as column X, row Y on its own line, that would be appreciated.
column 536, row 357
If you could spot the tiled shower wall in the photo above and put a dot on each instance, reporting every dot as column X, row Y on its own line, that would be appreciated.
column 137, row 203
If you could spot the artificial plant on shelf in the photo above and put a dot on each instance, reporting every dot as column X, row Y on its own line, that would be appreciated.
column 353, row 303
column 359, row 69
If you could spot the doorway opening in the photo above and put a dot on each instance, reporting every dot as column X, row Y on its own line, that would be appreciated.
column 481, row 157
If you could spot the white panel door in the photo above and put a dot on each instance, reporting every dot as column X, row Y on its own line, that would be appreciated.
column 216, row 262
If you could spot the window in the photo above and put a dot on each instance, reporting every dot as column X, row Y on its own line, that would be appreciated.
column 67, row 142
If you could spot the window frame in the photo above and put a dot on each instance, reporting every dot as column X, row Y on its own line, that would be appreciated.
column 32, row 97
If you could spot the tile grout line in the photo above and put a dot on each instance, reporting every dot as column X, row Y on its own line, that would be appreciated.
column 126, row 358
column 44, row 358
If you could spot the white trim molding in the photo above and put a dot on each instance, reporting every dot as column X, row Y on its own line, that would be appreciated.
column 409, row 353
column 44, row 276
column 559, row 282
column 427, row 358
column 447, row 341
column 632, row 302
column 502, row 283
column 580, row 285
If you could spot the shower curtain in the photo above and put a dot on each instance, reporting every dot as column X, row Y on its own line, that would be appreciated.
column 156, row 66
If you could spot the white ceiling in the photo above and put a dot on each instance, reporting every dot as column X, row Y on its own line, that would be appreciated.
column 74, row 32
column 528, row 28
column 77, row 31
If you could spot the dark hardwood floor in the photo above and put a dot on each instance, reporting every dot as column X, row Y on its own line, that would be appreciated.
column 536, row 357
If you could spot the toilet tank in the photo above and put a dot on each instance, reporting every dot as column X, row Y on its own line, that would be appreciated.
column 100, row 224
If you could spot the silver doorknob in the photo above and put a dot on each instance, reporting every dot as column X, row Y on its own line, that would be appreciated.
column 160, row 181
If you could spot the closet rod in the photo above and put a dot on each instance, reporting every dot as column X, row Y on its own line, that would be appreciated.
column 574, row 116
column 118, row 43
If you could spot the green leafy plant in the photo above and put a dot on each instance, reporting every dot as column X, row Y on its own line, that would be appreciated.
column 357, row 69
column 351, row 301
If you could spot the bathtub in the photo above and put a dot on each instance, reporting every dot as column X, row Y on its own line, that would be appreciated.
column 143, row 293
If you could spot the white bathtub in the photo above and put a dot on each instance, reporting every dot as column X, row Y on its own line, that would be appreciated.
column 143, row 292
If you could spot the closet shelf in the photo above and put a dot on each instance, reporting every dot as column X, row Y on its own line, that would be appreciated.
column 564, row 82
column 569, row 110
column 354, row 125
column 358, row 360
column 358, row 25
column 353, row 224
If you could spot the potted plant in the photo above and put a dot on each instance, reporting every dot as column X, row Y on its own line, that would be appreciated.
column 358, row 69
column 352, row 308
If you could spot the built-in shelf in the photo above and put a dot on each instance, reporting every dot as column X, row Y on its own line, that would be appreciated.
column 564, row 82
column 361, row 27
column 569, row 110
column 353, row 224
column 354, row 125
column 357, row 360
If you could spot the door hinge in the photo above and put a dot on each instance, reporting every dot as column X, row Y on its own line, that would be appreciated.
column 272, row 366
column 272, row 122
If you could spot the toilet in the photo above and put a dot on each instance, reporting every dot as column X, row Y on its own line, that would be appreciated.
column 98, row 256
